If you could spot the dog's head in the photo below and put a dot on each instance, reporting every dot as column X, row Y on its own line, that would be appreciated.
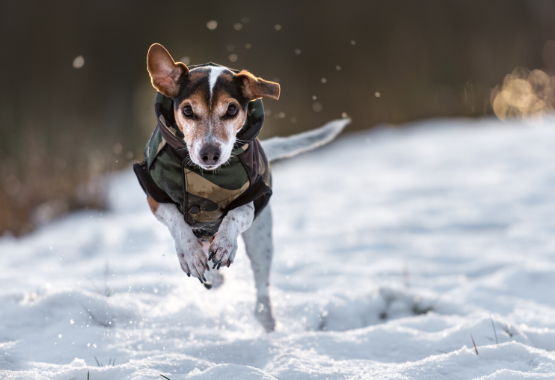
column 210, row 103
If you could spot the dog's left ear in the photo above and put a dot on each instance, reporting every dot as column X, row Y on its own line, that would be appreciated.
column 165, row 73
column 256, row 88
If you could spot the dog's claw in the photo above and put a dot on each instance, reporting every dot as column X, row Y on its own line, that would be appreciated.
column 200, row 280
column 213, row 254
column 188, row 274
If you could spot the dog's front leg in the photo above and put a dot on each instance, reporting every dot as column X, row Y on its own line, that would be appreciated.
column 189, row 250
column 223, row 245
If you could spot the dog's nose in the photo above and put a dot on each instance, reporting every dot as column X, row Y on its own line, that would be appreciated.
column 210, row 154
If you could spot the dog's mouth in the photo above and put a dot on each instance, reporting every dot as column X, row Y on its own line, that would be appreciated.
column 204, row 166
column 209, row 167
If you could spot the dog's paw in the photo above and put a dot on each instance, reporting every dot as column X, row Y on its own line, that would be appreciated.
column 222, row 250
column 193, row 260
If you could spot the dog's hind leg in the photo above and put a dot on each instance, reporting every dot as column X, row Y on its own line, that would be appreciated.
column 260, row 249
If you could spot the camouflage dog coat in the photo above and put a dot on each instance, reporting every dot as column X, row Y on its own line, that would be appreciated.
column 204, row 197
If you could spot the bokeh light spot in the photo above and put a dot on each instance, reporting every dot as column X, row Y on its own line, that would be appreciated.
column 185, row 60
column 377, row 94
column 297, row 51
column 248, row 46
column 238, row 26
column 78, row 62
column 277, row 27
column 212, row 24
column 524, row 93
column 323, row 80
column 317, row 107
column 338, row 67
column 118, row 148
column 233, row 57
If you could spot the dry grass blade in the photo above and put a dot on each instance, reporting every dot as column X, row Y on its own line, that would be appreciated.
column 494, row 331
column 474, row 343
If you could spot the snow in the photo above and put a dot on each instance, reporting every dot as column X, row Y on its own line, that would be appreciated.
column 393, row 247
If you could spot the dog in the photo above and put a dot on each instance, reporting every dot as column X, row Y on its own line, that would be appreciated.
column 209, row 116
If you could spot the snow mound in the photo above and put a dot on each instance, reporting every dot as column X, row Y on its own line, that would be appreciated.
column 396, row 250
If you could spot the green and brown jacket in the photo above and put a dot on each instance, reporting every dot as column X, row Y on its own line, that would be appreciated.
column 204, row 197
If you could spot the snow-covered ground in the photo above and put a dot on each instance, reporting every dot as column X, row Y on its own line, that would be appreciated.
column 393, row 249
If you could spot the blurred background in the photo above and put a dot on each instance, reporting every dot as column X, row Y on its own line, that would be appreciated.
column 76, row 102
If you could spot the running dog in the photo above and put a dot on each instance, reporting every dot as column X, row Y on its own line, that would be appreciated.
column 206, row 174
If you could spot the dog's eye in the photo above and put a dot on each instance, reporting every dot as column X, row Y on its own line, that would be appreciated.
column 232, row 110
column 188, row 111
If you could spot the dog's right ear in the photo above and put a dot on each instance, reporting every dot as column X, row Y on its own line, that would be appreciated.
column 256, row 88
column 164, row 72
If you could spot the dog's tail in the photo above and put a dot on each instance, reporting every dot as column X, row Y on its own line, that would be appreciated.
column 284, row 147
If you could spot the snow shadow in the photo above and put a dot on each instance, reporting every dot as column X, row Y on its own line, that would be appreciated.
column 343, row 312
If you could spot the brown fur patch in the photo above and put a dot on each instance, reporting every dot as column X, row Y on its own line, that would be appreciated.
column 152, row 204
column 194, row 129
column 194, row 76
column 220, row 103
